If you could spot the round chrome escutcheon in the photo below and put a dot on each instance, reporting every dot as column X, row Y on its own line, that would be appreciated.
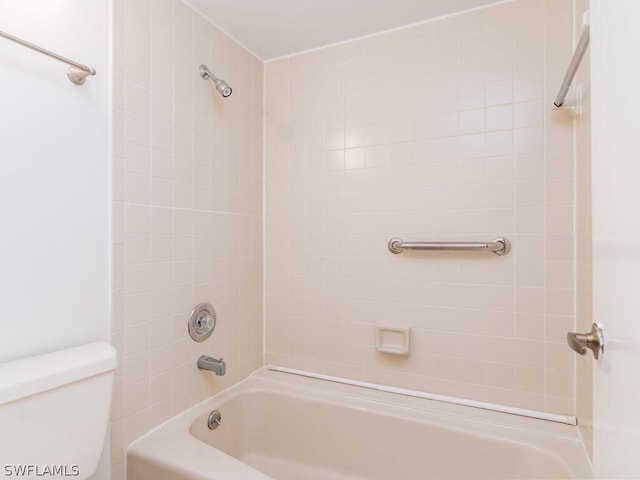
column 214, row 420
column 202, row 322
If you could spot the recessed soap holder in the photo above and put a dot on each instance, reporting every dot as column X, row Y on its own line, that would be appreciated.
column 395, row 340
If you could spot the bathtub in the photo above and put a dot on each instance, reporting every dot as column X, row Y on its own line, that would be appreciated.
column 282, row 426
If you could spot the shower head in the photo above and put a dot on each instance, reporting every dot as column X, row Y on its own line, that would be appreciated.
column 223, row 87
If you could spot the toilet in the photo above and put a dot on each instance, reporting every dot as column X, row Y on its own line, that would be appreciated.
column 54, row 412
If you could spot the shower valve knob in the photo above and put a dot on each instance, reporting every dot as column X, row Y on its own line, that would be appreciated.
column 202, row 322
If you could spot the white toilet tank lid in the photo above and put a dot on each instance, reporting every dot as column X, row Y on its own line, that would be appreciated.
column 32, row 375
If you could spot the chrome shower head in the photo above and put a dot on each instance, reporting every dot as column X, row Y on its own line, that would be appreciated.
column 223, row 87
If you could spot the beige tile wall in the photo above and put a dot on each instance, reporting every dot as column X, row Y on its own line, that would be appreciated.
column 187, row 212
column 441, row 131
column 584, row 317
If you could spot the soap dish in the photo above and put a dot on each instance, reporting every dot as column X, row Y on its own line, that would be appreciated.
column 395, row 340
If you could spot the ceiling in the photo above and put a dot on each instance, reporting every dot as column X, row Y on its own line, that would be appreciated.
column 275, row 28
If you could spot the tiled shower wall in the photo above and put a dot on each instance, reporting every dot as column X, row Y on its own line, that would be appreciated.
column 442, row 131
column 187, row 212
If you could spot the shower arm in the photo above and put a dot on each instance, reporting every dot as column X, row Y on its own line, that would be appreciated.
column 206, row 73
column 221, row 86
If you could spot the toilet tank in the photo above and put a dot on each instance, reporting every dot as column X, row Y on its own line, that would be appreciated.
column 54, row 412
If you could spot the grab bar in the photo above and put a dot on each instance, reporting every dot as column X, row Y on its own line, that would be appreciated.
column 77, row 72
column 499, row 246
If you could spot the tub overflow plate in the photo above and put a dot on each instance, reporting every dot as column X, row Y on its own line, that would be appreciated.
column 214, row 420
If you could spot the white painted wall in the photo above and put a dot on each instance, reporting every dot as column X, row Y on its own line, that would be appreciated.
column 615, row 43
column 54, row 178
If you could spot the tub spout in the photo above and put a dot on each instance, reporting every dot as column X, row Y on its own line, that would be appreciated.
column 215, row 365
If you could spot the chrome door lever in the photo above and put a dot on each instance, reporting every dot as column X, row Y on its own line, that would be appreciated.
column 594, row 340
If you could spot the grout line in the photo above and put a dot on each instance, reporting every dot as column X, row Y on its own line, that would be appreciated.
column 264, row 217
column 577, row 29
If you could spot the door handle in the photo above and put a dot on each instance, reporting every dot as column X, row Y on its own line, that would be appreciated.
column 594, row 340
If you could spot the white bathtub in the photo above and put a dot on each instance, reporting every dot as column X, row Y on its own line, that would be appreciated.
column 286, row 427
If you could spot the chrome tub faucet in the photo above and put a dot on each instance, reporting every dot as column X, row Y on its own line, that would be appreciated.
column 215, row 365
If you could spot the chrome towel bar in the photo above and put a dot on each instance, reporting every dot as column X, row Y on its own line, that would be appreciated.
column 77, row 72
column 581, row 49
column 499, row 246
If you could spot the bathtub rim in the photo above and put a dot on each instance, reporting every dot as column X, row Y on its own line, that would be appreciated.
column 159, row 446
column 494, row 407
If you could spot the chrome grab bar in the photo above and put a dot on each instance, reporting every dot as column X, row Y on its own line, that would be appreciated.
column 77, row 72
column 499, row 246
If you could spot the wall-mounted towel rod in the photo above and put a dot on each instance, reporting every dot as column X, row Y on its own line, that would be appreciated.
column 499, row 246
column 575, row 63
column 77, row 72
